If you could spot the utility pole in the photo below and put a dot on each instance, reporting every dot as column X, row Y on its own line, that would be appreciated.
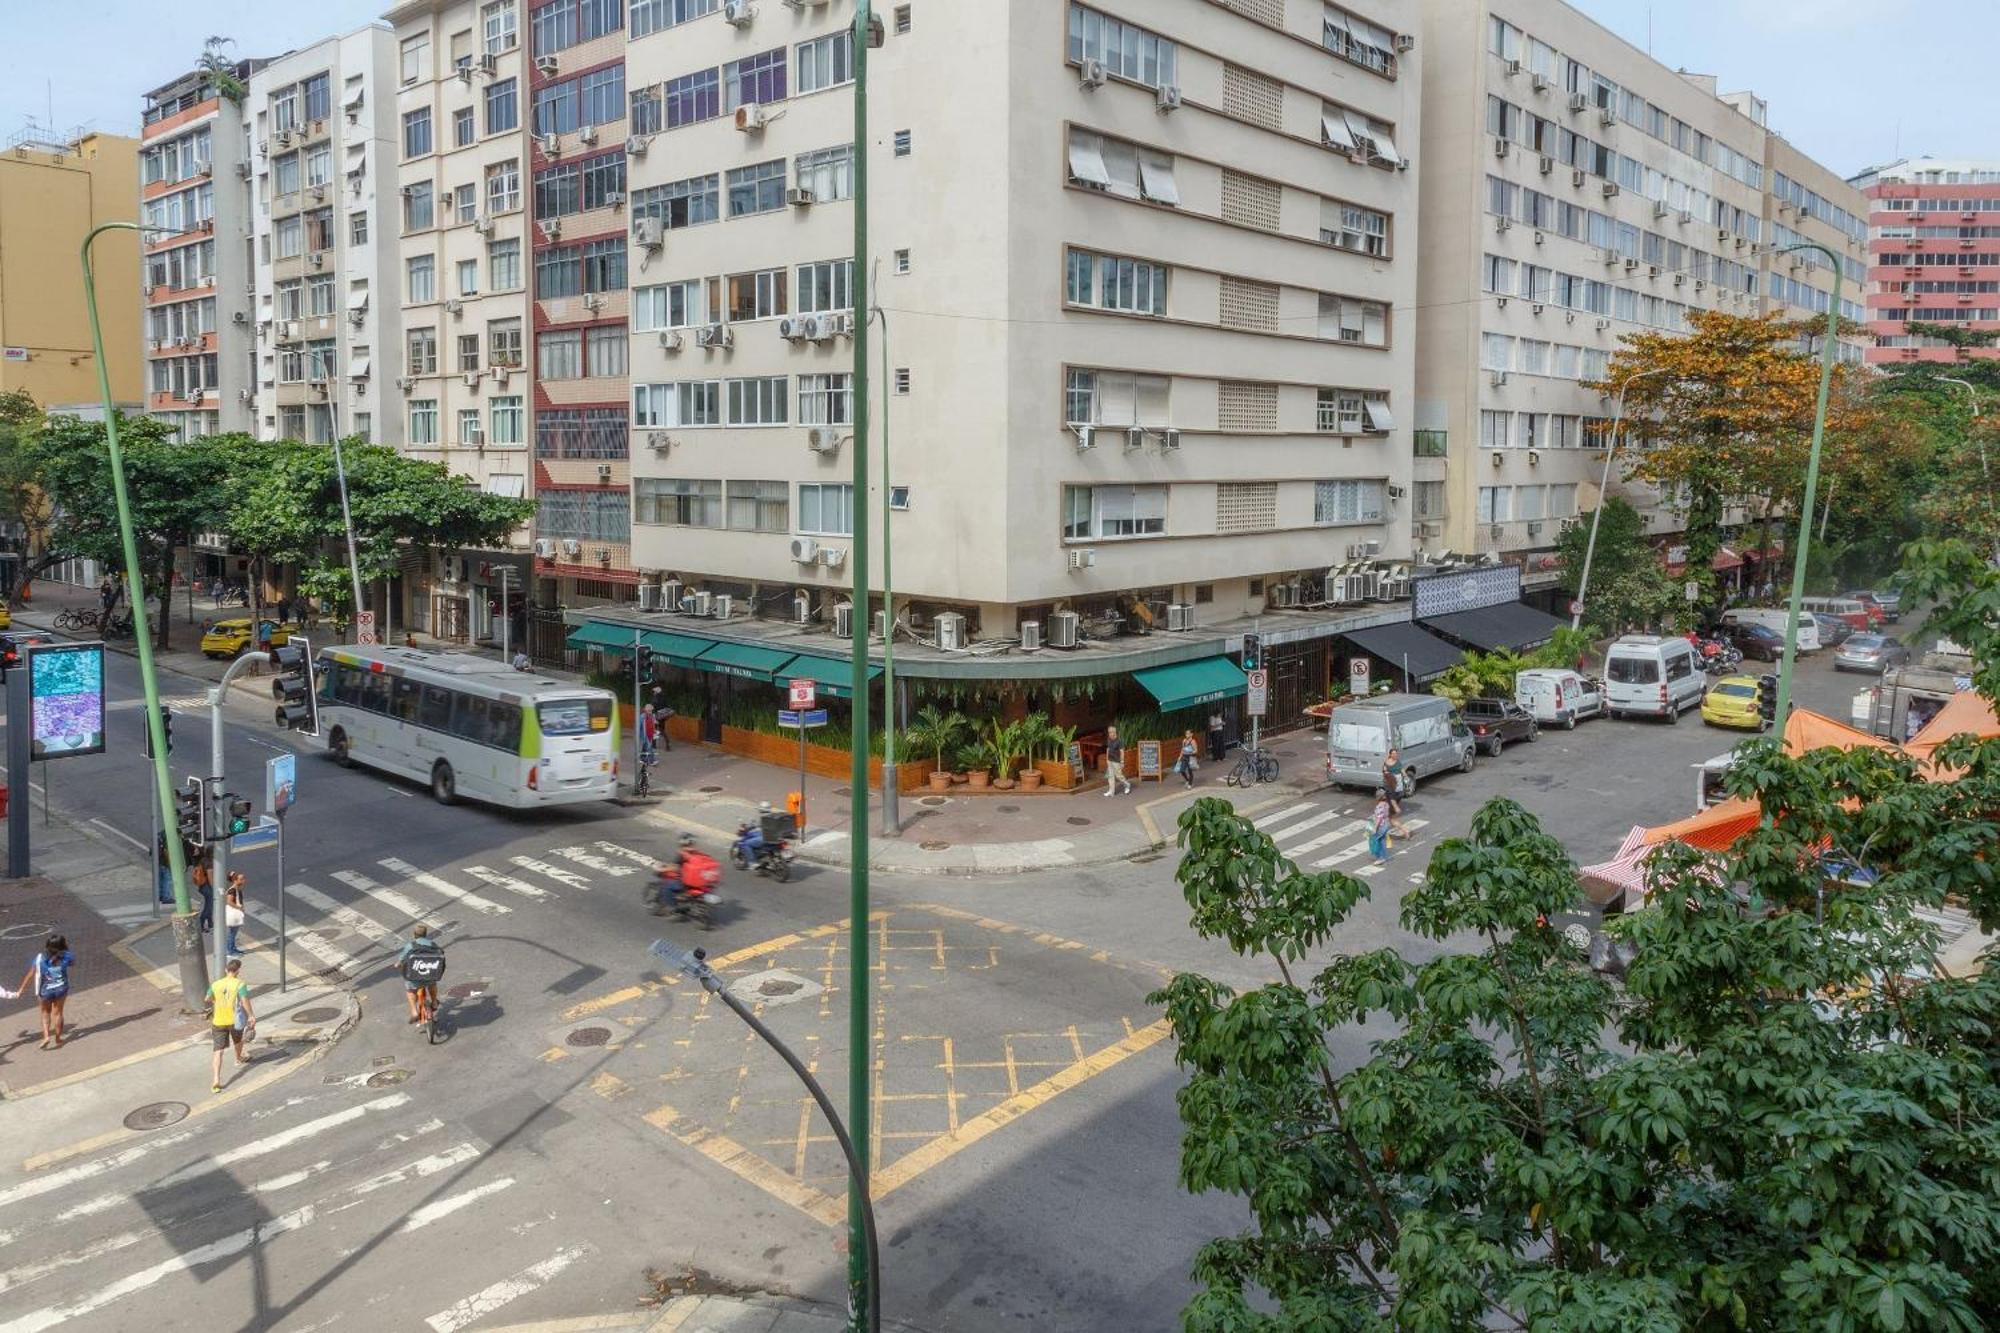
column 891, row 777
column 340, row 476
column 220, row 814
column 1604, row 494
column 1827, row 352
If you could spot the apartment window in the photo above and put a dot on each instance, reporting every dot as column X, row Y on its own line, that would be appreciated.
column 827, row 172
column 503, row 186
column 649, row 16
column 1359, row 41
column 285, row 109
column 604, row 351
column 759, row 401
column 319, row 164
column 291, row 365
column 288, row 236
column 1495, row 504
column 559, row 355
column 677, row 502
column 826, row 285
column 316, row 95
column 1114, row 398
column 423, row 421
column 1345, row 319
column 693, row 97
column 468, row 277
column 1128, row 52
column 422, row 284
column 292, row 423
column 826, row 62
column 1351, row 227
column 1429, row 499
column 284, row 176
column 585, row 515
column 416, row 133
column 826, row 400
column 648, row 113
column 1246, row 506
column 319, row 229
column 902, row 380
column 1496, row 352
column 499, row 25
column 755, row 79
column 468, row 351
column 423, row 350
column 590, row 432
column 503, row 107
column 604, row 264
column 901, row 263
column 1091, row 512
column 465, row 203
column 557, row 192
column 759, row 506
column 757, row 189
column 600, row 179
column 507, row 421
column 900, row 143
column 555, row 108
column 564, row 23
column 688, row 403
column 1111, row 282
column 1349, row 502
column 759, row 295
column 683, row 203
column 601, row 96
column 826, row 509
column 503, row 342
column 417, row 206
column 416, row 58
column 319, row 295
column 290, row 299
column 503, row 265
column 674, row 305
column 1122, row 168
column 902, row 19
column 463, row 131
column 559, row 272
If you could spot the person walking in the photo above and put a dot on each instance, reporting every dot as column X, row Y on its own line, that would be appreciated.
column 49, row 975
column 1216, row 743
column 1185, row 765
column 232, row 909
column 1378, row 828
column 231, row 1020
column 649, row 735
column 107, row 596
column 1114, row 763
column 204, row 883
column 1392, row 786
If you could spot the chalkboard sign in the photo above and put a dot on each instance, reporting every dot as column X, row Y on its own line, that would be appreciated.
column 1075, row 762
column 1149, row 759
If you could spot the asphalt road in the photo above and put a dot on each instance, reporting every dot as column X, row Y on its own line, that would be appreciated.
column 587, row 1120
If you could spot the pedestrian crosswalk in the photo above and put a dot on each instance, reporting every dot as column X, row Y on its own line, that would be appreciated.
column 1306, row 834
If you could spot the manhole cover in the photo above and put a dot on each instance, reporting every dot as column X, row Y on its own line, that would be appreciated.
column 933, row 846
column 589, row 1036
column 1078, row 820
column 780, row 986
column 710, row 790
column 465, row 990
column 25, row 930
column 388, row 1078
column 1008, row 809
column 156, row 1115
column 315, row 1015
column 934, row 801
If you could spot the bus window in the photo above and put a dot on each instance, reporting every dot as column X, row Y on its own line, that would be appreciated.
column 470, row 720
column 403, row 702
column 574, row 717
column 375, row 692
column 435, row 712
column 504, row 723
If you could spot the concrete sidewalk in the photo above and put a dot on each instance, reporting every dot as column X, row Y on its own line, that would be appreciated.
column 753, row 1313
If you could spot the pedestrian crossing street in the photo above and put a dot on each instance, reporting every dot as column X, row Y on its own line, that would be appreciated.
column 347, row 919
column 250, row 1217
column 1306, row 833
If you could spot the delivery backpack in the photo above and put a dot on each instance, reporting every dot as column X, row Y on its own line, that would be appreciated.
column 424, row 966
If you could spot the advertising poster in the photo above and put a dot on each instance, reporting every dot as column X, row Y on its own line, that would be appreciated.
column 281, row 782
column 66, row 699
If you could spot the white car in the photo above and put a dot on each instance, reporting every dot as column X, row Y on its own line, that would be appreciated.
column 1557, row 696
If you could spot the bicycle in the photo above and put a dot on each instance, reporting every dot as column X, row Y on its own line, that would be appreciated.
column 427, row 1012
column 1253, row 767
column 643, row 784
column 75, row 618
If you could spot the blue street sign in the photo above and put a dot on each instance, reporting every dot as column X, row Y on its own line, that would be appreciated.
column 264, row 833
column 812, row 717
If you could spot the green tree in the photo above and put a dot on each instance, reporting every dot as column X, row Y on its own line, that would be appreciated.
column 22, row 500
column 1787, row 1119
column 1628, row 585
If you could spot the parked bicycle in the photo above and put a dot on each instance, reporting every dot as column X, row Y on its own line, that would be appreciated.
column 118, row 626
column 76, row 618
column 1252, row 767
column 643, row 784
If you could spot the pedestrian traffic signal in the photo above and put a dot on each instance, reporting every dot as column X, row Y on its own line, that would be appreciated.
column 1250, row 648
column 191, row 812
column 293, row 688
column 642, row 662
column 1767, row 698
column 239, row 809
column 166, row 730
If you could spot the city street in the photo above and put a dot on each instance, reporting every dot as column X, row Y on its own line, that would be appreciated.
column 588, row 1120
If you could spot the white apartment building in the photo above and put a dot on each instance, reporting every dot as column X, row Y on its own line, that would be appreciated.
column 194, row 186
column 1149, row 275
column 1576, row 190
column 455, row 383
column 325, row 241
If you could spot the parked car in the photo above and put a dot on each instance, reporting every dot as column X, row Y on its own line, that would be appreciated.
column 1647, row 674
column 1757, row 642
column 1833, row 631
column 1425, row 728
column 1863, row 616
column 1885, row 600
column 1870, row 652
column 1558, row 696
column 1494, row 722
column 227, row 638
column 1777, row 620
column 1732, row 702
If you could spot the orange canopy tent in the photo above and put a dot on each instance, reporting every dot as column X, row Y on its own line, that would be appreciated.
column 1964, row 711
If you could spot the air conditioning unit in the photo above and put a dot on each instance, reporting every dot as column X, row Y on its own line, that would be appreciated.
column 1031, row 636
column 792, row 328
column 317, row 260
column 1610, row 189
column 1167, row 97
column 670, row 594
column 464, row 69
column 235, row 317
column 750, row 117
column 1502, row 222
column 1405, row 42
column 472, row 379
column 1514, row 67
column 833, row 557
column 1540, row 83
column 500, row 374
column 1084, row 559
column 593, row 301
column 243, row 170
column 724, row 604
column 738, row 13
column 659, row 441
column 649, row 597
column 488, row 63
column 699, row 604
column 843, row 621
column 587, row 135
column 1603, row 324
column 1502, row 147
column 405, row 383
column 1534, row 529
column 603, row 473
column 950, row 631
column 1091, row 73
column 1606, row 117
column 1180, row 617
column 1610, row 258
column 671, row 341
column 646, row 231
column 1579, row 101
column 1547, row 164
column 551, row 228
column 636, row 145
column 823, row 439
column 1086, row 437
column 1534, row 457
column 484, row 226
column 713, row 335
column 572, row 547
column 1631, row 266
column 805, row 550
column 800, row 197
column 819, row 328
column 1576, row 176
column 550, row 144
column 1135, row 439
column 1686, row 216
column 1170, row 440
column 545, row 65
column 454, row 306
column 1282, row 594
column 1063, row 626
column 802, row 608
column 544, row 548
column 1499, row 377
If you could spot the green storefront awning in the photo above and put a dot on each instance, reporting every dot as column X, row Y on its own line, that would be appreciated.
column 1186, row 684
column 594, row 637
column 680, row 650
column 831, row 675
column 743, row 659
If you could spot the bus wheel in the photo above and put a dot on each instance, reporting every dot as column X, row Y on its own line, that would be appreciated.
column 443, row 785
column 337, row 746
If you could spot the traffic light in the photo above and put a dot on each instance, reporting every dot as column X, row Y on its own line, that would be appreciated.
column 293, row 688
column 191, row 812
column 1250, row 649
column 642, row 662
column 238, row 816
column 1767, row 698
column 166, row 728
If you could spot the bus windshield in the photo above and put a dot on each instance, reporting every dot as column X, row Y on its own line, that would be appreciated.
column 574, row 717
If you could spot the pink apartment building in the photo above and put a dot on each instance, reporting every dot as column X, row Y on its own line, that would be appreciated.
column 1933, row 255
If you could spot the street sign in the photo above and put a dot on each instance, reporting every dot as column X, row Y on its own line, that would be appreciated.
column 804, row 693
column 1357, row 676
column 1576, row 606
column 791, row 717
column 364, row 627
column 281, row 782
column 264, row 833
column 1693, row 591
column 1259, row 689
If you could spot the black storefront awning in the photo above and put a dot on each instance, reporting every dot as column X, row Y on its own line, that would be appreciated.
column 1510, row 625
column 1407, row 648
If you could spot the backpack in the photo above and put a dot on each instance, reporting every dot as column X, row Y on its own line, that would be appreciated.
column 700, row 871
column 425, row 965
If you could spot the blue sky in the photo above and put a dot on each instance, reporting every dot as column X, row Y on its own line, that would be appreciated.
column 1852, row 82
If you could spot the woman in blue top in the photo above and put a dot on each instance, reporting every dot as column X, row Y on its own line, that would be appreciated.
column 50, row 975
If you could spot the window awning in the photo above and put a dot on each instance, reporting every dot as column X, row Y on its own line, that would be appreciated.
column 743, row 659
column 830, row 675
column 1086, row 159
column 1186, row 684
column 1407, row 648
column 1511, row 625
column 1333, row 131
column 679, row 649
column 1379, row 417
column 594, row 637
column 513, row 485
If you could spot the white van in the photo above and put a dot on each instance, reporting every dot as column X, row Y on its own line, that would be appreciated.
column 1652, row 676
column 1558, row 696
column 1426, row 729
column 1775, row 618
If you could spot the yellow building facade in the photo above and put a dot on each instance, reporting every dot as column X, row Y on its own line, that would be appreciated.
column 49, row 199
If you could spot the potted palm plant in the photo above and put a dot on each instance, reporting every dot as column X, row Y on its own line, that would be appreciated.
column 1055, row 770
column 936, row 731
column 976, row 761
column 1034, row 735
column 1004, row 739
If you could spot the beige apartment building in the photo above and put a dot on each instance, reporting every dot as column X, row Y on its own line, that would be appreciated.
column 1575, row 191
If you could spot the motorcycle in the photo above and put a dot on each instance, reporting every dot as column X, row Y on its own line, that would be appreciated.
column 753, row 851
column 1718, row 656
column 691, row 897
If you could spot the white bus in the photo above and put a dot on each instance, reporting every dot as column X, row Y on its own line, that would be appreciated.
column 469, row 726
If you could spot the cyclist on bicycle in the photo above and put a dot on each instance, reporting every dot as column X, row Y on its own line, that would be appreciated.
column 421, row 963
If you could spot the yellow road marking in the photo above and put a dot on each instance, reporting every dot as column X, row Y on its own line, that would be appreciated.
column 645, row 988
column 735, row 1158
column 553, row 1054
column 608, row 1085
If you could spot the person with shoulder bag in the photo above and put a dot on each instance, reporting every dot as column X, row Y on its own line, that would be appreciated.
column 232, row 1022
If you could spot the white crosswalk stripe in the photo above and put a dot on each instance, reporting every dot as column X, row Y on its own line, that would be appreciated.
column 1301, row 830
column 325, row 950
column 637, row 858
column 1280, row 816
column 583, row 856
column 388, row 897
column 464, row 897
column 1279, row 835
column 508, row 882
column 341, row 914
column 485, row 1302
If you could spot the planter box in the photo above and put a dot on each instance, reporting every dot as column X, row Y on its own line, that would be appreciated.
column 821, row 761
column 1055, row 773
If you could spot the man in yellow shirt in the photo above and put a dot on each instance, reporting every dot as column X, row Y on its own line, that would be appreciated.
column 229, row 994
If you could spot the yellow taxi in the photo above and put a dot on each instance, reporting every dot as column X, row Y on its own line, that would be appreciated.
column 6, row 617
column 1732, row 702
column 227, row 638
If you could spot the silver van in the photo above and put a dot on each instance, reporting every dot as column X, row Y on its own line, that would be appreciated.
column 1428, row 731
